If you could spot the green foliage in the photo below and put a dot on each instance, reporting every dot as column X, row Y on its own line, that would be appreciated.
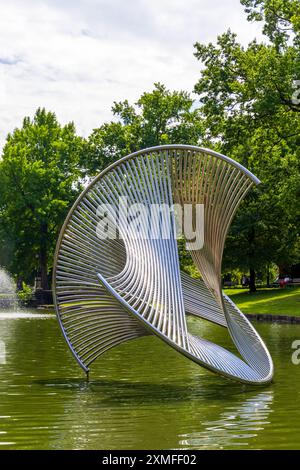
column 158, row 117
column 25, row 295
column 249, row 110
column 281, row 18
column 39, row 179
column 186, row 263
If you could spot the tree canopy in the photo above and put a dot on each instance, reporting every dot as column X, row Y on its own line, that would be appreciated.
column 248, row 103
column 39, row 179
column 158, row 117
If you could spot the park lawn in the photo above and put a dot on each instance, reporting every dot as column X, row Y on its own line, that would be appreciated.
column 274, row 301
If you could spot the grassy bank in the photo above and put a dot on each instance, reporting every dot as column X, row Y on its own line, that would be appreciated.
column 267, row 301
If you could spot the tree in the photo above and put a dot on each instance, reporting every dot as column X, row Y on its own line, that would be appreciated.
column 281, row 19
column 158, row 117
column 251, row 112
column 39, row 179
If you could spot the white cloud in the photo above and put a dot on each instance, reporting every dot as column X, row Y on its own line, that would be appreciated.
column 77, row 57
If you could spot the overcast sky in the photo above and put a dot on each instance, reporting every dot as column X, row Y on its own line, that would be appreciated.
column 76, row 57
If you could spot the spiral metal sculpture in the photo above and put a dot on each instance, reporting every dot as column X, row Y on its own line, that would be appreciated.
column 110, row 291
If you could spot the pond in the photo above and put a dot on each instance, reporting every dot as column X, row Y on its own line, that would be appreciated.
column 141, row 395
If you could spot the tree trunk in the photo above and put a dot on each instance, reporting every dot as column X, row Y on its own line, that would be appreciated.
column 268, row 276
column 252, row 286
column 43, row 259
column 251, row 239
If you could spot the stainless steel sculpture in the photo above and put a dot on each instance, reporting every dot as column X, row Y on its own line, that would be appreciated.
column 110, row 291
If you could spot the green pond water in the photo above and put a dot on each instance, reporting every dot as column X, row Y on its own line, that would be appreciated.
column 141, row 395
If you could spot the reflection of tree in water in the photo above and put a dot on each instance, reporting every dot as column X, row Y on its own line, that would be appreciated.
column 28, row 413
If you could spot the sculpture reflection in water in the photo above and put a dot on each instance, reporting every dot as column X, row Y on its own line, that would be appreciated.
column 235, row 427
